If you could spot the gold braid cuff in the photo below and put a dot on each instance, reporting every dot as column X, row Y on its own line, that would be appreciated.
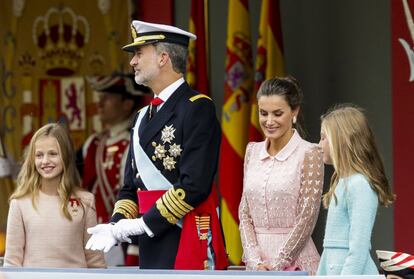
column 172, row 205
column 127, row 208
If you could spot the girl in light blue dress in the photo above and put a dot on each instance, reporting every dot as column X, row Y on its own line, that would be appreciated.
column 357, row 186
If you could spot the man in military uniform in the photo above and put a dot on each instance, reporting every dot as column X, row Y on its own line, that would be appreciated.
column 104, row 154
column 171, row 163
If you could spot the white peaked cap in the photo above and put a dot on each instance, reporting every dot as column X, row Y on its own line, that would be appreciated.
column 145, row 33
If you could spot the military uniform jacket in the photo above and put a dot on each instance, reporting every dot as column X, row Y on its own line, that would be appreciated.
column 182, row 139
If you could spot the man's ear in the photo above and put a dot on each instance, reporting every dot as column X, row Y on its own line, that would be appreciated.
column 163, row 59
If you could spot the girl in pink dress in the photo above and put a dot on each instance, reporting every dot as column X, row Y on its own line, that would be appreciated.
column 283, row 180
column 49, row 213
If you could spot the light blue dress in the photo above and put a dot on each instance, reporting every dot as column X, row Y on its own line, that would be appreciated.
column 347, row 241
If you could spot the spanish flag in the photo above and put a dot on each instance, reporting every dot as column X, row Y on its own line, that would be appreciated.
column 235, row 122
column 269, row 57
column 197, row 64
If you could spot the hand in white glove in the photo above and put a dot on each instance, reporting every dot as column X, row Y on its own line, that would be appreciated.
column 102, row 238
column 126, row 227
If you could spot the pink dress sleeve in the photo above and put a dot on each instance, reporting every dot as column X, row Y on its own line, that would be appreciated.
column 94, row 259
column 310, row 192
column 251, row 254
column 15, row 236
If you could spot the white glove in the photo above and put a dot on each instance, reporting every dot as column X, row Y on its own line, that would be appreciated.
column 126, row 227
column 102, row 238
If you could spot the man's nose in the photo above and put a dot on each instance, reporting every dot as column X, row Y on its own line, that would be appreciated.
column 133, row 61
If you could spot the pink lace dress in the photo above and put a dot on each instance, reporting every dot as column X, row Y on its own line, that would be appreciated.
column 280, row 205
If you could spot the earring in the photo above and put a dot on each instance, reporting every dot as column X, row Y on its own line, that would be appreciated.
column 294, row 119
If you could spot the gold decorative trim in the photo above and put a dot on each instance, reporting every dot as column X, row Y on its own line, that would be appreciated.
column 178, row 196
column 128, row 208
column 172, row 199
column 164, row 212
column 173, row 207
column 149, row 37
column 203, row 225
column 134, row 32
column 203, row 222
column 199, row 96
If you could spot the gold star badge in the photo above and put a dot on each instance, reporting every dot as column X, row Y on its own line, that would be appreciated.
column 159, row 151
column 175, row 150
column 169, row 163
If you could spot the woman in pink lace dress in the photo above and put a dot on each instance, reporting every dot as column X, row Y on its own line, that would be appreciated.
column 283, row 179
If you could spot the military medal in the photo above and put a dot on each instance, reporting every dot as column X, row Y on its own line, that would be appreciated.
column 175, row 150
column 167, row 152
column 169, row 163
column 167, row 134
column 159, row 150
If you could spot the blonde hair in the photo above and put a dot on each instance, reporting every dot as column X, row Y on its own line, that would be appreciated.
column 353, row 149
column 29, row 180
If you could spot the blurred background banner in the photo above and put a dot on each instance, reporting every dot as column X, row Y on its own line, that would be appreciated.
column 197, row 64
column 269, row 58
column 403, row 119
column 59, row 41
column 48, row 48
column 238, row 86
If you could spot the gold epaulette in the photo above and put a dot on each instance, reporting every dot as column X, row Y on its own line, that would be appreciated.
column 172, row 205
column 199, row 96
column 127, row 208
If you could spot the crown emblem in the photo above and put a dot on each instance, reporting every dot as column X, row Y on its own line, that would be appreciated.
column 61, row 36
column 27, row 63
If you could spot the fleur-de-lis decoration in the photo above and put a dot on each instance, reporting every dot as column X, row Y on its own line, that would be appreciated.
column 169, row 163
column 167, row 134
column 175, row 150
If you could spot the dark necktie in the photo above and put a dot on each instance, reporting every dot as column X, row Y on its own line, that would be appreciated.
column 153, row 106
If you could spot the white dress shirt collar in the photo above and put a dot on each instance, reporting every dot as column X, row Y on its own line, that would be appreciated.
column 168, row 91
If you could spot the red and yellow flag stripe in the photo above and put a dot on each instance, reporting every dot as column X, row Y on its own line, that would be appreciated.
column 235, row 121
column 269, row 57
column 197, row 65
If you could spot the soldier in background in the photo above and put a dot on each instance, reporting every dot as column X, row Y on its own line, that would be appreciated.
column 102, row 158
